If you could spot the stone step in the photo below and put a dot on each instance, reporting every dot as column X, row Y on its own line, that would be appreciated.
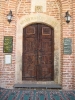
column 47, row 86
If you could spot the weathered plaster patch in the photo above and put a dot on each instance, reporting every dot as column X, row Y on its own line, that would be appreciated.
column 41, row 3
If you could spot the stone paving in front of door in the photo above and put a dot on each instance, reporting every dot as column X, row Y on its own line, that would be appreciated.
column 21, row 94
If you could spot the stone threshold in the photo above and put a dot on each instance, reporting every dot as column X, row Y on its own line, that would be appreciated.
column 46, row 85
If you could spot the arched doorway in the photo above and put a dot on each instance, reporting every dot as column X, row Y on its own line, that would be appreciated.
column 38, row 52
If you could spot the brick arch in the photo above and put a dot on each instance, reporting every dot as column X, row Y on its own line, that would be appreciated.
column 38, row 18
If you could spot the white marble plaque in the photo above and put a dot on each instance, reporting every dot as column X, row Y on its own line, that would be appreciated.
column 7, row 59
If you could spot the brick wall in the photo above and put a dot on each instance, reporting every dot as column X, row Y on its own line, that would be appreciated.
column 1, row 38
column 67, row 60
column 7, row 72
column 74, row 37
column 55, row 8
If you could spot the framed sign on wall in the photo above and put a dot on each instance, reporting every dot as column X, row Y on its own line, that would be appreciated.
column 67, row 46
column 8, row 44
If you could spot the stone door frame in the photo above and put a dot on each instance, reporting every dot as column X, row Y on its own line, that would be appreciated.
column 38, row 18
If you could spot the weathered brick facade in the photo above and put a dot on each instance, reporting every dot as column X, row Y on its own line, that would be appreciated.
column 55, row 9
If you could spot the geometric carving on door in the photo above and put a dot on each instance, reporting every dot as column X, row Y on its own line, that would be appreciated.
column 46, row 31
column 30, row 30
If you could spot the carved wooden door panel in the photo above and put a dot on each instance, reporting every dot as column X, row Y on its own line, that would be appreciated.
column 45, row 53
column 29, row 52
column 38, row 53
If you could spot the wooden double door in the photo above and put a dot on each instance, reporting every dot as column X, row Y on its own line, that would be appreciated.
column 38, row 53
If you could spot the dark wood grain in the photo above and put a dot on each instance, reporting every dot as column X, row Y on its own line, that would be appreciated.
column 38, row 53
